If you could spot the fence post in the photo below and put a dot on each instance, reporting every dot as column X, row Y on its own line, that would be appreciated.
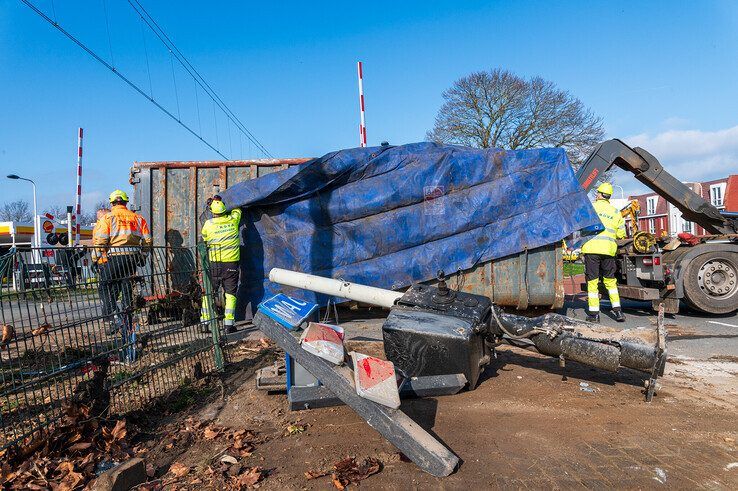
column 213, row 322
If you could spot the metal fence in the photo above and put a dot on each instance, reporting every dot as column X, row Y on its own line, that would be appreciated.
column 112, row 337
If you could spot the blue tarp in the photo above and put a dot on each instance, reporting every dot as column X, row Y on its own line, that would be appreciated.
column 391, row 216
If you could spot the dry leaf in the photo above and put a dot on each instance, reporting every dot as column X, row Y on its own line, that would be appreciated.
column 42, row 329
column 264, row 342
column 65, row 467
column 295, row 429
column 70, row 481
column 78, row 447
column 179, row 470
column 348, row 471
column 8, row 334
column 250, row 477
column 337, row 483
column 316, row 474
column 119, row 430
column 211, row 433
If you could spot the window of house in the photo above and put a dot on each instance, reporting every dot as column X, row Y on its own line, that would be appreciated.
column 687, row 227
column 717, row 194
column 651, row 205
column 652, row 225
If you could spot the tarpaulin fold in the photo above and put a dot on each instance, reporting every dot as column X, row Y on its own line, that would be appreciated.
column 391, row 216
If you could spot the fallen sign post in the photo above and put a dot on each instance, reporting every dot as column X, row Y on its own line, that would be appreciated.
column 404, row 433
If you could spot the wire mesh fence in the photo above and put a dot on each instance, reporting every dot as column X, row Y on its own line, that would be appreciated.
column 112, row 335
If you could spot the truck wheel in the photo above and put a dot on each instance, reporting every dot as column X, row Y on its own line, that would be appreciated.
column 711, row 282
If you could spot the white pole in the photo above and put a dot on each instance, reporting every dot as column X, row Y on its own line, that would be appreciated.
column 362, row 125
column 78, row 197
column 36, row 231
column 336, row 288
column 70, row 230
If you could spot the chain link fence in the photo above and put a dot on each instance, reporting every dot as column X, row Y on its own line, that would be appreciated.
column 113, row 336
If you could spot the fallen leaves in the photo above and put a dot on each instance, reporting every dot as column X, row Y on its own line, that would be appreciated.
column 8, row 335
column 212, row 433
column 42, row 329
column 179, row 470
column 250, row 477
column 347, row 471
column 68, row 456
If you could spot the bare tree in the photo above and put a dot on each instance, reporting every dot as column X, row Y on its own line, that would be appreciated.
column 59, row 212
column 16, row 211
column 500, row 109
column 90, row 216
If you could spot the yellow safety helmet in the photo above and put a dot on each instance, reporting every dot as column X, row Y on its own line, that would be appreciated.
column 217, row 207
column 605, row 188
column 118, row 194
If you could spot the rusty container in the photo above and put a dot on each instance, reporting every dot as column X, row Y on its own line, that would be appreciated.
column 172, row 194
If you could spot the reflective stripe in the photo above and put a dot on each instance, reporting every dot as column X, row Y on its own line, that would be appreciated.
column 602, row 237
column 615, row 304
column 593, row 295
column 594, row 308
column 613, row 291
column 218, row 247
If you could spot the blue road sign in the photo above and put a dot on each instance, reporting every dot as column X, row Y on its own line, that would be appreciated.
column 288, row 311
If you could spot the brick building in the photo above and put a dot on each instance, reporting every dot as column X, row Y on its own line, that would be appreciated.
column 658, row 216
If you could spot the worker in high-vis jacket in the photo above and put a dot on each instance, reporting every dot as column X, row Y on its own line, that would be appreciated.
column 221, row 234
column 599, row 256
column 121, row 241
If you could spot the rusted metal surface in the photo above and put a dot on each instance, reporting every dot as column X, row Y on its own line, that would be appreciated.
column 530, row 279
column 171, row 195
column 173, row 164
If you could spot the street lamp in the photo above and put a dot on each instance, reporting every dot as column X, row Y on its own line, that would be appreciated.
column 622, row 191
column 36, row 231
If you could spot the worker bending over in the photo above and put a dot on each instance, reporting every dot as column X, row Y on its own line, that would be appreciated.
column 220, row 233
column 599, row 256
column 121, row 240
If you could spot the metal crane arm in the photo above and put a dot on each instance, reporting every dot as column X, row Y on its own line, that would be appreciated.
column 650, row 172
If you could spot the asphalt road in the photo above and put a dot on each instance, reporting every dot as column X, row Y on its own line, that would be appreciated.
column 690, row 334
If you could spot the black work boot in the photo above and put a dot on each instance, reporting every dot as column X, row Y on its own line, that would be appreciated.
column 593, row 317
column 618, row 314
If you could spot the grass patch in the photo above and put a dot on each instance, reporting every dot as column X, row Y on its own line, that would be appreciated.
column 572, row 269
column 187, row 396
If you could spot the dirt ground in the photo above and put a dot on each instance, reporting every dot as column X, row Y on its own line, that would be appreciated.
column 522, row 427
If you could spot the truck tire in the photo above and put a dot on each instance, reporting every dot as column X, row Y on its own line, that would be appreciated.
column 711, row 282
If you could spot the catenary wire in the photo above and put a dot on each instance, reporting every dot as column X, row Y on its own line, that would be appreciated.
column 169, row 44
column 107, row 65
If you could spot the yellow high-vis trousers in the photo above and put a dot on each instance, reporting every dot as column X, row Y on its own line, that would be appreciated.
column 207, row 313
column 593, row 293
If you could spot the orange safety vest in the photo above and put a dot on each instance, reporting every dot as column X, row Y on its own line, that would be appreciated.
column 118, row 229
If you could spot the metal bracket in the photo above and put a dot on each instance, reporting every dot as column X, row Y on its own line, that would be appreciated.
column 660, row 363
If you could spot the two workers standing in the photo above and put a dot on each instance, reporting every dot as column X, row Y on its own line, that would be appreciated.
column 120, row 241
column 599, row 256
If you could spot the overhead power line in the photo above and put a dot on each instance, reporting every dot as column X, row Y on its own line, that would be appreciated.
column 174, row 52
column 169, row 44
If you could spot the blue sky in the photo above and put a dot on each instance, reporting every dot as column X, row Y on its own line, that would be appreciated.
column 661, row 74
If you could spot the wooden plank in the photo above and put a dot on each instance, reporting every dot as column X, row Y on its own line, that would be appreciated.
column 404, row 433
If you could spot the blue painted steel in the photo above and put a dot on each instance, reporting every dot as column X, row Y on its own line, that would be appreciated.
column 288, row 311
column 391, row 216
